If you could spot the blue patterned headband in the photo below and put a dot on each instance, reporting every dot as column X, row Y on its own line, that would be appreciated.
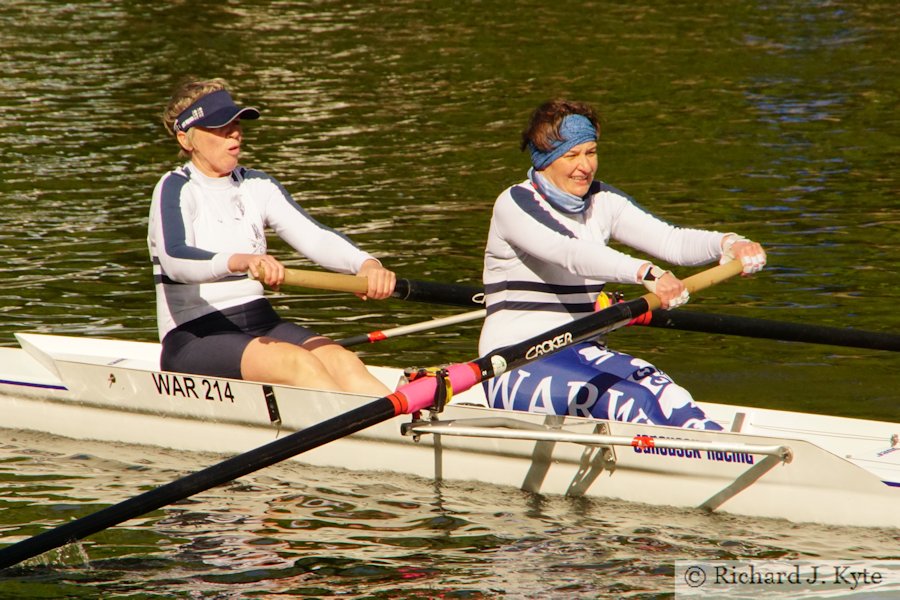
column 574, row 130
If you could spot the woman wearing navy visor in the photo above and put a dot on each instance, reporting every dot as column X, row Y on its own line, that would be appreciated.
column 547, row 260
column 206, row 232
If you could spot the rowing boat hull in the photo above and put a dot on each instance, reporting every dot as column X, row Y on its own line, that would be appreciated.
column 834, row 470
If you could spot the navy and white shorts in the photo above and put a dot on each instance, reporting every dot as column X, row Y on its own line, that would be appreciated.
column 214, row 344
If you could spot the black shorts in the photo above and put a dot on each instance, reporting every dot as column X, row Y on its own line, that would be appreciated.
column 214, row 344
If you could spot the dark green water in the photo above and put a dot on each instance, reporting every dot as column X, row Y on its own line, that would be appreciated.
column 397, row 122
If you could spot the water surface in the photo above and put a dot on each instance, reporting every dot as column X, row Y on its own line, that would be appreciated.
column 398, row 124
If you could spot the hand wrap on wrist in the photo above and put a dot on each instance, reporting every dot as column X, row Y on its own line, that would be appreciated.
column 653, row 275
column 751, row 264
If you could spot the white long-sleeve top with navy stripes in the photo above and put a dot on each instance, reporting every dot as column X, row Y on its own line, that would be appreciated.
column 544, row 267
column 197, row 222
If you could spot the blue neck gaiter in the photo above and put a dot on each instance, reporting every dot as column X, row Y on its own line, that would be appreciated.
column 560, row 200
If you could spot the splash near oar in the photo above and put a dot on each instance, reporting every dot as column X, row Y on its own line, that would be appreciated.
column 415, row 396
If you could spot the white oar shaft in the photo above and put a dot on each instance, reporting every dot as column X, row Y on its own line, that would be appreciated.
column 434, row 323
column 377, row 336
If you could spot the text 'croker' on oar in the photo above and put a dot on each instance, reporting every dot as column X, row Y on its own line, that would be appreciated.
column 414, row 396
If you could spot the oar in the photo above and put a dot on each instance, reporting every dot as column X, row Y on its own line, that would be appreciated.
column 417, row 395
column 377, row 336
column 773, row 330
column 406, row 289
column 685, row 320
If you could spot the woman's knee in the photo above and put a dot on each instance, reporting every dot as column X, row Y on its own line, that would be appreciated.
column 336, row 356
column 280, row 362
column 673, row 396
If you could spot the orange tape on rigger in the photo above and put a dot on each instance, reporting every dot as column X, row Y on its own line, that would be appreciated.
column 400, row 403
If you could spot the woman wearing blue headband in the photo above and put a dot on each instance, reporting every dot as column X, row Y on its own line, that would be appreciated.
column 206, row 233
column 547, row 260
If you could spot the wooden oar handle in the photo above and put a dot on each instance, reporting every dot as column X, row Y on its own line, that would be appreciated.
column 702, row 280
column 711, row 277
column 336, row 282
column 359, row 285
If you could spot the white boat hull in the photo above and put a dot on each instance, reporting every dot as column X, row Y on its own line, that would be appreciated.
column 819, row 468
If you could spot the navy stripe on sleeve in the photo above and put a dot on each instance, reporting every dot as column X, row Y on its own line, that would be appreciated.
column 173, row 223
column 538, row 286
column 575, row 308
column 525, row 200
column 165, row 279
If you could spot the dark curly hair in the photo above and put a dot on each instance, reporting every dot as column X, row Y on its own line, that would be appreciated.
column 543, row 128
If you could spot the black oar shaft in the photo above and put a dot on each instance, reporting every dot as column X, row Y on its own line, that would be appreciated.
column 438, row 293
column 465, row 295
column 218, row 474
column 354, row 340
column 565, row 335
column 774, row 330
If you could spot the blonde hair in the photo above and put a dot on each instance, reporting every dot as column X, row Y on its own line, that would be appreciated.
column 188, row 92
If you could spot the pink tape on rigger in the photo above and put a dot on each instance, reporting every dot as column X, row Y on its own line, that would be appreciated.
column 420, row 393
column 463, row 376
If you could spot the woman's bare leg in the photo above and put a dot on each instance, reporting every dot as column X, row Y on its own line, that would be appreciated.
column 319, row 363
column 273, row 361
column 346, row 368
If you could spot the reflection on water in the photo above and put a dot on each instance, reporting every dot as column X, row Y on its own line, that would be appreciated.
column 307, row 531
column 398, row 123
